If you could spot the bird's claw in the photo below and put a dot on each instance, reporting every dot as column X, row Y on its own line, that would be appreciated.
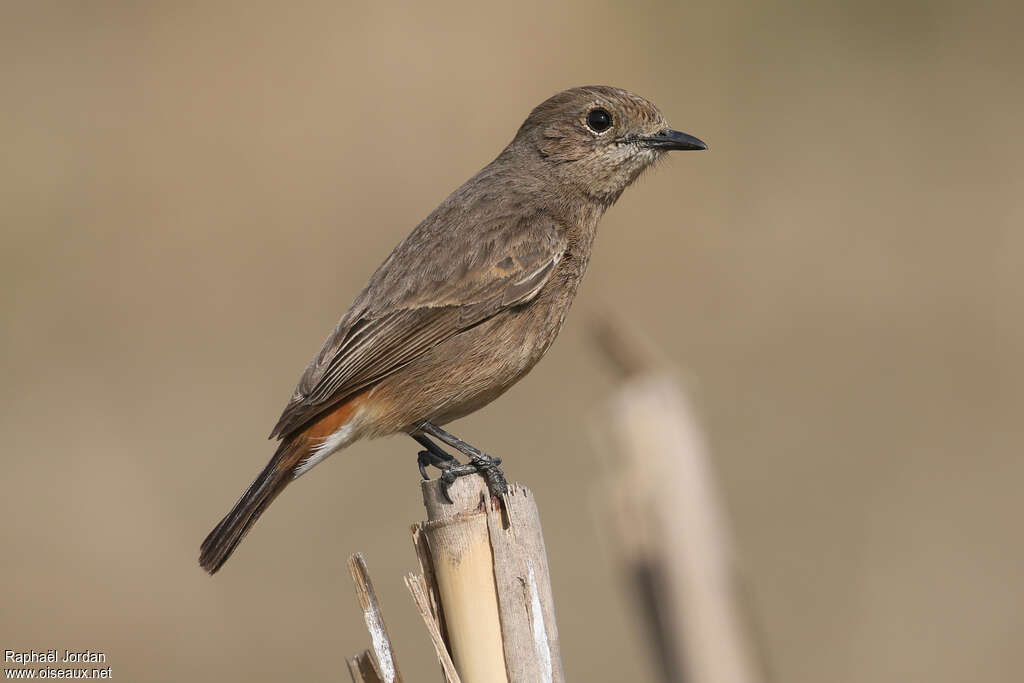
column 422, row 460
column 479, row 462
column 492, row 474
column 487, row 467
column 438, row 458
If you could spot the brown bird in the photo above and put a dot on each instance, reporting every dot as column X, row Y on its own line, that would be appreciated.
column 468, row 303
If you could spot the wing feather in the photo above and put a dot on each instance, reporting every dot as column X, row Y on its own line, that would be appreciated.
column 416, row 300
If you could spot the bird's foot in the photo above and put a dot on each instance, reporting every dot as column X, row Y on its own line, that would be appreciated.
column 451, row 469
column 483, row 464
column 433, row 455
column 427, row 459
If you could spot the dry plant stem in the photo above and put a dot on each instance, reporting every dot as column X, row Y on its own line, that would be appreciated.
column 490, row 569
column 379, row 663
column 429, row 604
column 460, row 554
column 660, row 504
column 420, row 591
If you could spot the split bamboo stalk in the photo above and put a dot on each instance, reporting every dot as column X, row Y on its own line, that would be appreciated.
column 486, row 568
column 427, row 606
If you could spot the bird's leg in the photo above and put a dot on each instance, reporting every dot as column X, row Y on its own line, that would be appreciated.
column 434, row 455
column 478, row 462
column 450, row 467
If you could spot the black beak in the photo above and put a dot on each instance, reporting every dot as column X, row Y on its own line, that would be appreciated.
column 672, row 139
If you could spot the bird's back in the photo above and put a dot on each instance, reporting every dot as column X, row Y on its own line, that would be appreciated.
column 495, row 245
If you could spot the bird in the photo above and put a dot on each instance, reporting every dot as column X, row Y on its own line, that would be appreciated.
column 468, row 302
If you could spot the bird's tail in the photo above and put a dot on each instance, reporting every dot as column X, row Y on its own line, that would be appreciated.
column 226, row 536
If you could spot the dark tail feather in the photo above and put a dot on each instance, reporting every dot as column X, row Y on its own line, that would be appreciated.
column 226, row 536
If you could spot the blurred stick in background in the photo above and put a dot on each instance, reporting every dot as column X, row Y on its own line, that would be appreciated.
column 660, row 507
column 484, row 591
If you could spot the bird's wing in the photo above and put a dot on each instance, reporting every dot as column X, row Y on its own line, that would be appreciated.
column 430, row 288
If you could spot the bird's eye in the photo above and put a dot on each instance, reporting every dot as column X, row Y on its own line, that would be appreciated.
column 599, row 120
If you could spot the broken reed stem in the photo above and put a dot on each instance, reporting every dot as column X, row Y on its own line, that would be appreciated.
column 378, row 664
column 484, row 591
column 464, row 573
column 421, row 595
column 486, row 568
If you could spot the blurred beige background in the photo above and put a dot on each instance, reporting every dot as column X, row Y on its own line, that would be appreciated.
column 192, row 193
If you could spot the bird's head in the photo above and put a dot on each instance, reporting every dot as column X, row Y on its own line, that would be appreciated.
column 598, row 139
